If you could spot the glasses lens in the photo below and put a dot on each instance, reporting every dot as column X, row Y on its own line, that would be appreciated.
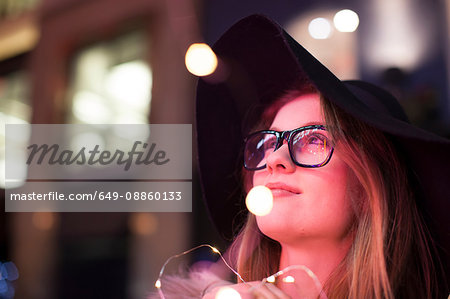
column 311, row 147
column 256, row 149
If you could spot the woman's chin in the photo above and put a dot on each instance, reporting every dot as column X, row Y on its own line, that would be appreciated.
column 278, row 228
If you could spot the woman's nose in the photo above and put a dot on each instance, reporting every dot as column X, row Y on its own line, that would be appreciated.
column 280, row 160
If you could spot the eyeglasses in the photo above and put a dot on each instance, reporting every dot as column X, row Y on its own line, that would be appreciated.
column 308, row 147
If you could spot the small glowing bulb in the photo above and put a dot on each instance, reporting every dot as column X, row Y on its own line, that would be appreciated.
column 214, row 249
column 158, row 284
column 346, row 20
column 271, row 279
column 289, row 279
column 227, row 293
column 259, row 200
column 319, row 28
column 200, row 60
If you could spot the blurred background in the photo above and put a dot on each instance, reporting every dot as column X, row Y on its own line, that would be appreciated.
column 116, row 61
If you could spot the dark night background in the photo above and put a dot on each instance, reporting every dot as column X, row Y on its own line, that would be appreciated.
column 58, row 59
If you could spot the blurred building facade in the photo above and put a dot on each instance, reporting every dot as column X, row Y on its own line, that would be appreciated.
column 103, row 61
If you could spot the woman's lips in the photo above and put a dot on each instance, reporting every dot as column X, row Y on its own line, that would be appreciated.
column 282, row 190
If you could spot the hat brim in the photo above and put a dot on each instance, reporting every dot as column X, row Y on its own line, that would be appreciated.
column 261, row 62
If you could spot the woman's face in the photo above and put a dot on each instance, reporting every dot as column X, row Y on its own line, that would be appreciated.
column 309, row 203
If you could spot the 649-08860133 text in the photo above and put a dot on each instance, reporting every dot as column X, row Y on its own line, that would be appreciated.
column 52, row 196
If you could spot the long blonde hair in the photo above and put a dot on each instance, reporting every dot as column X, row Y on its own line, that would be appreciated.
column 390, row 256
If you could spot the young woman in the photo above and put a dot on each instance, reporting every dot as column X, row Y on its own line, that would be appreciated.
column 347, row 212
column 361, row 197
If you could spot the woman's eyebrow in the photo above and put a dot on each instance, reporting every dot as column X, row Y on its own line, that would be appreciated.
column 314, row 123
column 311, row 123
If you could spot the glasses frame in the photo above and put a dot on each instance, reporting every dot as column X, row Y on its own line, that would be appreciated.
column 286, row 135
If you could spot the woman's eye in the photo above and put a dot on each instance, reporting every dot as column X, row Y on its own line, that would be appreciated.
column 270, row 143
column 316, row 139
column 312, row 142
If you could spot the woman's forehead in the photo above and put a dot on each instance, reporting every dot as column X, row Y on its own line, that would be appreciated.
column 302, row 111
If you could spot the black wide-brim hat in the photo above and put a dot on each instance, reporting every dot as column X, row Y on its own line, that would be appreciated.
column 259, row 61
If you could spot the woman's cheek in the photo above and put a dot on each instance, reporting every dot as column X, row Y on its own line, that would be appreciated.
column 258, row 178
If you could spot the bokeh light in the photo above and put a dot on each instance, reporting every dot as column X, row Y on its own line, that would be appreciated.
column 401, row 35
column 319, row 28
column 346, row 20
column 130, row 83
column 143, row 224
column 43, row 220
column 200, row 60
column 259, row 200
column 227, row 293
column 158, row 284
column 289, row 279
column 90, row 107
column 271, row 279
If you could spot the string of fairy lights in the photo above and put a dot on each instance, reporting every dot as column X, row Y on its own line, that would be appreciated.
column 227, row 292
column 259, row 201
